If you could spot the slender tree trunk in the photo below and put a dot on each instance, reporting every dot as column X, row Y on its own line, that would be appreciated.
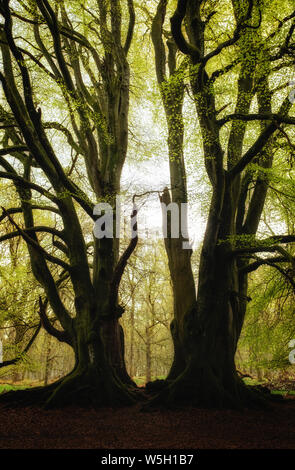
column 47, row 359
column 19, row 334
column 171, row 85
column 148, row 355
column 132, row 337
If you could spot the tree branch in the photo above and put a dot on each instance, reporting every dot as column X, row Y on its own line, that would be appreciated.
column 256, row 117
column 35, row 245
column 130, row 26
column 258, row 145
column 36, row 229
column 15, row 148
column 264, row 249
column 176, row 22
column 14, row 361
column 159, row 47
column 119, row 270
column 62, row 336
column 27, row 184
column 261, row 261
column 19, row 210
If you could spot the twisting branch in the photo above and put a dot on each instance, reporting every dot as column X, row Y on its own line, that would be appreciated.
column 265, row 245
column 119, row 270
column 30, row 230
column 27, row 184
column 242, row 25
column 14, row 361
column 35, row 245
column 62, row 336
column 66, row 132
column 263, row 249
column 253, row 150
column 256, row 117
column 15, row 148
column 272, row 262
column 220, row 72
column 260, row 262
column 130, row 26
column 19, row 210
column 43, row 153
column 176, row 22
column 261, row 141
column 193, row 50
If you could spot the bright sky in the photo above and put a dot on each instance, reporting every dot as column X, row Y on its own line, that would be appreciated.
column 154, row 176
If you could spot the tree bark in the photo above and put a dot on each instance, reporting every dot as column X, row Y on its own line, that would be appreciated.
column 99, row 123
column 213, row 325
column 171, row 84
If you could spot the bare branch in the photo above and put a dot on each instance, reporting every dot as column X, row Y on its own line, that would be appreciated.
column 130, row 26
column 19, row 210
column 14, row 361
column 176, row 22
column 256, row 117
column 35, row 245
column 30, row 230
column 27, row 184
column 119, row 270
column 62, row 336
column 260, row 262
column 15, row 148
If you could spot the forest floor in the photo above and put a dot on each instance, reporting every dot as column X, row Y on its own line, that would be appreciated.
column 130, row 428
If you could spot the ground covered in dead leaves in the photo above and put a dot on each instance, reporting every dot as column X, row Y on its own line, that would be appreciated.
column 130, row 428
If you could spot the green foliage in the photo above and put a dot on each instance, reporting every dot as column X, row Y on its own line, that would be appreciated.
column 269, row 326
column 7, row 388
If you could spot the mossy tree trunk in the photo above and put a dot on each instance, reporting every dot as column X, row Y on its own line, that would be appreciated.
column 212, row 326
column 170, row 76
column 98, row 137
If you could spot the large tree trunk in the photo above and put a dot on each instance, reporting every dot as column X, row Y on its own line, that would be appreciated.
column 98, row 376
column 211, row 328
column 99, row 134
column 210, row 333
column 210, row 338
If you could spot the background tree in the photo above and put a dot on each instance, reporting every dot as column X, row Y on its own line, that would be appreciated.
column 263, row 349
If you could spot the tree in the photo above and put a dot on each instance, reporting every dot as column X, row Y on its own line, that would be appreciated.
column 70, row 58
column 263, row 348
column 147, row 296
column 269, row 327
column 230, row 245
column 82, row 51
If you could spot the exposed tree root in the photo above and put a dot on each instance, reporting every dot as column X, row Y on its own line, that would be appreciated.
column 204, row 390
column 79, row 388
column 91, row 389
column 27, row 397
column 87, row 388
column 156, row 386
